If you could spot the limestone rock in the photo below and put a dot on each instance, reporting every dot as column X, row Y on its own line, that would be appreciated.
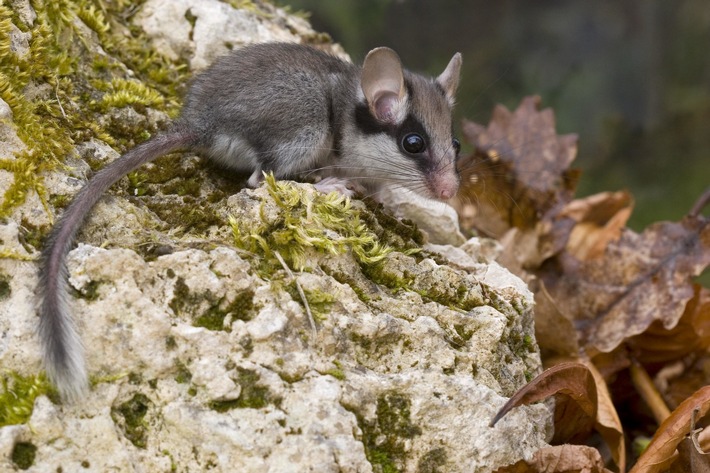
column 438, row 220
column 203, row 30
column 198, row 340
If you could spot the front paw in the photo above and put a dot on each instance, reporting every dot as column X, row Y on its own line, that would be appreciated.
column 339, row 185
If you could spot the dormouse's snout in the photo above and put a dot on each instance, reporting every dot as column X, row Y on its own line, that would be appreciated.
column 445, row 185
column 442, row 178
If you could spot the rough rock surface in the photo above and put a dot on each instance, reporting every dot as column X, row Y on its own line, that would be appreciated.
column 201, row 352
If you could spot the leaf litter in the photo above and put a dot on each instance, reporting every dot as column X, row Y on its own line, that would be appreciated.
column 614, row 307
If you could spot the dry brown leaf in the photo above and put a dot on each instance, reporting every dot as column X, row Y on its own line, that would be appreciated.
column 575, row 393
column 690, row 459
column 599, row 218
column 692, row 333
column 608, row 423
column 639, row 279
column 520, row 171
column 554, row 332
column 609, row 364
column 659, row 453
column 582, row 402
column 680, row 380
column 560, row 459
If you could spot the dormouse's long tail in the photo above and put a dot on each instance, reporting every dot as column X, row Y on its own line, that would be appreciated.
column 61, row 346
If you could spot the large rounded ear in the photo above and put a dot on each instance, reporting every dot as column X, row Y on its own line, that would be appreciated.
column 449, row 79
column 382, row 83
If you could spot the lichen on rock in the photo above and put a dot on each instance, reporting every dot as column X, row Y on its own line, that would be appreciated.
column 197, row 336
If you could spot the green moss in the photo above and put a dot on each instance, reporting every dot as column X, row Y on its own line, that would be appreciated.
column 23, row 455
column 136, row 180
column 185, row 213
column 385, row 437
column 463, row 332
column 63, row 72
column 32, row 236
column 135, row 378
column 529, row 343
column 183, row 375
column 442, row 284
column 170, row 343
column 253, row 395
column 18, row 394
column 122, row 92
column 59, row 201
column 326, row 223
column 213, row 319
column 90, row 291
column 130, row 417
column 183, row 187
column 401, row 234
column 365, row 342
column 242, row 307
column 318, row 301
column 432, row 461
column 5, row 288
column 342, row 277
column 336, row 372
column 521, row 345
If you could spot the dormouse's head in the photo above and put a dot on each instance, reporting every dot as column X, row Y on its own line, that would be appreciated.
column 407, row 120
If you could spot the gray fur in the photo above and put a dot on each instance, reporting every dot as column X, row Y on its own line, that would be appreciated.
column 277, row 107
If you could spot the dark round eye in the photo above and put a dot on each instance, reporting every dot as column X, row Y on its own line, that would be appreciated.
column 413, row 143
column 457, row 145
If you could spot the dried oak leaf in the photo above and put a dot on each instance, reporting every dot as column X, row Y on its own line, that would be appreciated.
column 555, row 333
column 593, row 221
column 608, row 423
column 660, row 453
column 582, row 402
column 678, row 381
column 575, row 392
column 560, row 459
column 638, row 279
column 598, row 220
column 520, row 171
column 692, row 333
column 691, row 458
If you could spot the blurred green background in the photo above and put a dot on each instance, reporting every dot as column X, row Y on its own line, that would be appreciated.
column 631, row 77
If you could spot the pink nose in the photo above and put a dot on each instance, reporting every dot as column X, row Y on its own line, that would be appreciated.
column 446, row 194
column 445, row 186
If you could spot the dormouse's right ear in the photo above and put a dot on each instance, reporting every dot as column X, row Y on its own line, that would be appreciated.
column 449, row 79
column 382, row 83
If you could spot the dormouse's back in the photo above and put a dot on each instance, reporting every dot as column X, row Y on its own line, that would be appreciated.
column 258, row 80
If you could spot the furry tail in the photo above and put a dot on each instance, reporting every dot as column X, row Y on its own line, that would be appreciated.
column 62, row 349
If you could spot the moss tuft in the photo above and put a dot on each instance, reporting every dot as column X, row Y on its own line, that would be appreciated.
column 183, row 375
column 432, row 461
column 241, row 308
column 5, row 288
column 386, row 437
column 319, row 302
column 122, row 92
column 326, row 223
column 23, row 455
column 253, row 394
column 72, row 86
column 90, row 291
column 336, row 372
column 18, row 394
column 130, row 417
column 213, row 318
